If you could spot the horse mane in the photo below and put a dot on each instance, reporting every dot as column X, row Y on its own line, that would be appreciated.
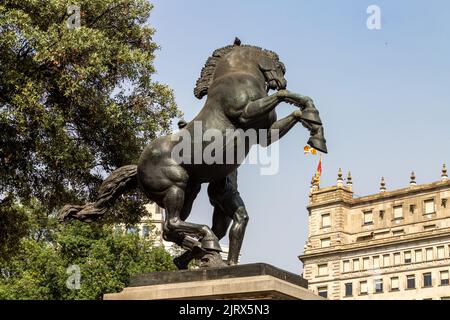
column 207, row 73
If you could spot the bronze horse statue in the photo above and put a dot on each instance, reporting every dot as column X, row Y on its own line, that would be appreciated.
column 237, row 80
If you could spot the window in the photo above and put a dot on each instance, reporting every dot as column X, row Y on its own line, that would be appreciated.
column 347, row 266
column 348, row 289
column 378, row 285
column 444, row 278
column 440, row 252
column 386, row 260
column 398, row 232
column 398, row 212
column 427, row 281
column 429, row 254
column 395, row 284
column 418, row 256
column 356, row 266
column 131, row 230
column 368, row 217
column 365, row 263
column 325, row 242
column 376, row 262
column 363, row 287
column 323, row 292
column 145, row 231
column 323, row 269
column 411, row 282
column 326, row 221
column 397, row 258
column 429, row 206
column 408, row 257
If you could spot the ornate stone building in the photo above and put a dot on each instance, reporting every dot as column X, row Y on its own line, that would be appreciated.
column 389, row 245
column 150, row 227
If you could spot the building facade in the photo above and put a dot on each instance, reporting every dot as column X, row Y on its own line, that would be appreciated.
column 389, row 245
column 150, row 227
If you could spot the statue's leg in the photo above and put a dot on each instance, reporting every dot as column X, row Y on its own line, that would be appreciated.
column 191, row 193
column 177, row 199
column 229, row 206
column 174, row 203
column 310, row 118
column 280, row 128
column 183, row 260
column 256, row 109
column 221, row 222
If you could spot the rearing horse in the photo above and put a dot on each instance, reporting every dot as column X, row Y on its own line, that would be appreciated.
column 236, row 80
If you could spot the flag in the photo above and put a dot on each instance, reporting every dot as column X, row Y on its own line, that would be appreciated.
column 308, row 149
column 319, row 167
column 316, row 178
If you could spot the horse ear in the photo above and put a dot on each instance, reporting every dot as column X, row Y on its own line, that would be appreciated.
column 265, row 63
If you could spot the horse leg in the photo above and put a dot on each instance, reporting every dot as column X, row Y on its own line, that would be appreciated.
column 229, row 206
column 174, row 202
column 183, row 260
column 280, row 128
column 254, row 110
column 221, row 223
column 221, row 220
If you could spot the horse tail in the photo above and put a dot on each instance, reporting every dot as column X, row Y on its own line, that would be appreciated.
column 120, row 181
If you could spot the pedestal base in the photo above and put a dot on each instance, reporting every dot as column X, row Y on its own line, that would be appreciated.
column 251, row 281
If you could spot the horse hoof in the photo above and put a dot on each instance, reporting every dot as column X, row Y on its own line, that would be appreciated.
column 318, row 142
column 211, row 243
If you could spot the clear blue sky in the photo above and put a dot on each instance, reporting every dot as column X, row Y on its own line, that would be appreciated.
column 383, row 95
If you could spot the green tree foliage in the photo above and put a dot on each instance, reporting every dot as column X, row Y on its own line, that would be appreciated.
column 13, row 226
column 106, row 260
column 75, row 103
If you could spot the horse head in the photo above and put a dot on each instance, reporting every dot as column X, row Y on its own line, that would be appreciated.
column 245, row 56
column 273, row 71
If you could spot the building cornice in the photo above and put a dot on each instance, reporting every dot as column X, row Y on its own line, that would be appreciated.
column 384, row 242
column 374, row 198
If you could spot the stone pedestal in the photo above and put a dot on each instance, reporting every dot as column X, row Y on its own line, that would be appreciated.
column 251, row 281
